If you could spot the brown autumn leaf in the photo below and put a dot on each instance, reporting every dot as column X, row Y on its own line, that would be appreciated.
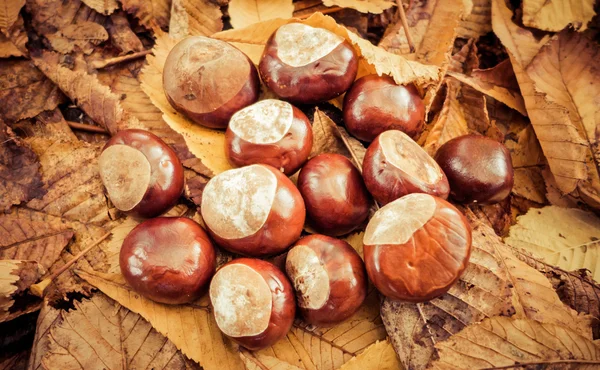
column 16, row 361
column 478, row 21
column 363, row 6
column 149, row 12
column 20, row 180
column 9, row 12
column 509, row 342
column 418, row 17
column 247, row 12
column 100, row 333
column 25, row 91
column 195, row 18
column 48, row 124
column 121, row 34
column 12, row 44
column 556, row 15
column 380, row 356
column 82, row 36
column 47, row 319
column 49, row 16
column 501, row 75
column 465, row 60
column 16, row 276
column 106, row 7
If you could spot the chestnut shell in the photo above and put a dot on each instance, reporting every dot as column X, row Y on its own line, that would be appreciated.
column 178, row 260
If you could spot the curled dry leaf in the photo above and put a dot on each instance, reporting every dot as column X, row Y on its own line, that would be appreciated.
column 478, row 21
column 106, row 7
column 99, row 332
column 9, row 12
column 78, row 36
column 501, row 75
column 12, row 43
column 363, row 6
column 25, row 91
column 466, row 60
column 15, row 277
column 244, row 13
column 121, row 34
column 20, row 180
column 150, row 12
column 380, row 356
column 501, row 341
column 556, row 15
column 566, row 237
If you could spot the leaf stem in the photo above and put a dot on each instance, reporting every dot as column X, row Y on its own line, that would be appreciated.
column 402, row 13
column 99, row 64
column 86, row 127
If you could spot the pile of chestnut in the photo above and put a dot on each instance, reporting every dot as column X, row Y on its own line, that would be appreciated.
column 415, row 246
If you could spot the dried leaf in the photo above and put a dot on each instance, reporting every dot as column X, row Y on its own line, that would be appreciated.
column 24, row 91
column 121, row 34
column 246, row 12
column 9, row 12
column 20, row 180
column 106, row 7
column 79, row 36
column 149, row 12
column 12, row 44
column 556, row 15
column 100, row 333
column 46, row 320
column 363, row 6
column 418, row 17
column 326, row 137
column 567, row 238
column 466, row 60
column 15, row 362
column 204, row 17
column 49, row 16
column 478, row 21
column 15, row 277
column 380, row 356
column 256, row 361
column 501, row 341
column 501, row 75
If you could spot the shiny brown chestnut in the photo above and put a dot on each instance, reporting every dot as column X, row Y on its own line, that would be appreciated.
column 329, row 278
column 479, row 169
column 253, row 302
column 307, row 65
column 335, row 195
column 141, row 173
column 375, row 104
column 209, row 80
column 395, row 165
column 168, row 259
column 253, row 210
column 416, row 247
column 272, row 132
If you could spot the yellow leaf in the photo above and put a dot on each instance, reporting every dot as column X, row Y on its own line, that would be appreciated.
column 363, row 6
column 556, row 15
column 380, row 356
column 500, row 342
column 476, row 22
column 246, row 12
column 9, row 12
column 194, row 18
column 257, row 361
column 105, row 7
column 565, row 237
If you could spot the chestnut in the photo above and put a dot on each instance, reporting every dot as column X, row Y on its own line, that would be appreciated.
column 141, row 173
column 375, row 104
column 253, row 302
column 416, row 247
column 253, row 210
column 395, row 165
column 168, row 260
column 479, row 169
column 209, row 80
column 329, row 278
column 272, row 132
column 307, row 65
column 335, row 195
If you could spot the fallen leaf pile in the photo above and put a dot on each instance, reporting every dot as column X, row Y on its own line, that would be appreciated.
column 524, row 73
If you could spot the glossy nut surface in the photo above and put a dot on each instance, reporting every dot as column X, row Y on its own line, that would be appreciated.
column 335, row 195
column 479, row 169
column 168, row 259
column 375, row 104
column 208, row 80
column 416, row 247
column 272, row 132
column 254, row 210
column 395, row 165
column 253, row 302
column 141, row 173
column 329, row 278
column 307, row 65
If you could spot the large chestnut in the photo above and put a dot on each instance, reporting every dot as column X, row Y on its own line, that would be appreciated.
column 209, row 80
column 336, row 199
column 253, row 210
column 168, row 259
column 272, row 132
column 395, row 165
column 329, row 278
column 141, row 173
column 307, row 65
column 416, row 247
column 479, row 169
column 375, row 104
column 253, row 302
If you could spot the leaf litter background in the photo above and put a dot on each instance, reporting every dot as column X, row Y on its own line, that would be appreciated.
column 524, row 73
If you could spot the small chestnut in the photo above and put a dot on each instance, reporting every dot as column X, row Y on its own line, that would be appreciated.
column 307, row 65
column 253, row 302
column 395, row 165
column 253, row 210
column 141, row 173
column 168, row 259
column 335, row 195
column 375, row 104
column 329, row 278
column 416, row 247
column 209, row 80
column 479, row 169
column 272, row 132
